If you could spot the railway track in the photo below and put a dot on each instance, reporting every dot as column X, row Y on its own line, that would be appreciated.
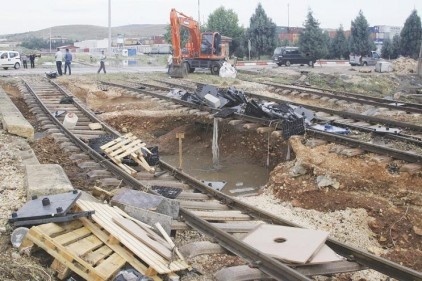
column 198, row 210
column 407, row 146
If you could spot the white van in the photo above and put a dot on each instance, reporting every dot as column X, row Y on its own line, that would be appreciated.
column 10, row 59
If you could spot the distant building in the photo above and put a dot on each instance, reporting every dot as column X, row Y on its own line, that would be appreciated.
column 379, row 33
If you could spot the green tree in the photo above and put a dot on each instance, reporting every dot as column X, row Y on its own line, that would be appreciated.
column 35, row 43
column 410, row 36
column 387, row 49
column 312, row 40
column 262, row 33
column 339, row 47
column 226, row 22
column 395, row 47
column 360, row 43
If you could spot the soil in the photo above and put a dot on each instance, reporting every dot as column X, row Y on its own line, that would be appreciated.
column 387, row 201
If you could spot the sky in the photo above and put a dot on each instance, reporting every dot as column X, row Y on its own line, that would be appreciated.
column 30, row 15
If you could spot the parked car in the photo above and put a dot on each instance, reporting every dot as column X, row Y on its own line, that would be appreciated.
column 10, row 59
column 370, row 59
column 292, row 55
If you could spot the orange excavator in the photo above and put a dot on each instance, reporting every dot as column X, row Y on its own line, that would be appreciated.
column 203, row 50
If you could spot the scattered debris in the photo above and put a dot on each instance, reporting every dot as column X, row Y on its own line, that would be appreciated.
column 95, row 126
column 227, row 71
column 216, row 185
column 331, row 129
column 326, row 181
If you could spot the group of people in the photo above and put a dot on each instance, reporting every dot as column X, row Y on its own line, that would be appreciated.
column 24, row 59
column 68, row 60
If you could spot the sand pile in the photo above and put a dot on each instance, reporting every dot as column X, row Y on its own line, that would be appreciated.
column 404, row 65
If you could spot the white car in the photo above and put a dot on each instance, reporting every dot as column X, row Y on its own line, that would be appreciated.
column 10, row 59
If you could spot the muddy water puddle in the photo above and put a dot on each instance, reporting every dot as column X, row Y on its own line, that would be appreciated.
column 240, row 177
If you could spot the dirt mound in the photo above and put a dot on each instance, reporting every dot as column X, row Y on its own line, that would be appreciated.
column 404, row 65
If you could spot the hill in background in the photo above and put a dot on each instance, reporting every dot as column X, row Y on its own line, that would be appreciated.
column 86, row 32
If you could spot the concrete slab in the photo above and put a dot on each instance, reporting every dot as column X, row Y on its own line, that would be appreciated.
column 289, row 244
column 147, row 201
column 46, row 179
column 12, row 119
column 148, row 217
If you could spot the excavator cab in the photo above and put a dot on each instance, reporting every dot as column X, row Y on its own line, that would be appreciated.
column 210, row 44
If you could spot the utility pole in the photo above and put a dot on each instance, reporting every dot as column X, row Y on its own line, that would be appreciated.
column 50, row 40
column 199, row 15
column 288, row 23
column 420, row 62
column 109, row 27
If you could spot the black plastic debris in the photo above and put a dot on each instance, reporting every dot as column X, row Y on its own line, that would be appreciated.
column 167, row 191
column 51, row 208
column 152, row 158
column 96, row 143
column 292, row 127
column 66, row 100
column 254, row 109
column 225, row 112
column 51, row 74
column 59, row 113
column 210, row 95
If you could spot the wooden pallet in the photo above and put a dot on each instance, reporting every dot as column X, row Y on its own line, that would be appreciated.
column 106, row 216
column 127, row 145
column 83, row 247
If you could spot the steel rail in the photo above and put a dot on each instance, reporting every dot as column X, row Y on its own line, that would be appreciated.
column 343, row 114
column 415, row 108
column 402, row 155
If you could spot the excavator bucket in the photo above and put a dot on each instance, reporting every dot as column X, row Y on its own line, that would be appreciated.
column 178, row 71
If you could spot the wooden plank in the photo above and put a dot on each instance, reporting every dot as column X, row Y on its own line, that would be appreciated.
column 222, row 215
column 113, row 142
column 118, row 145
column 102, row 216
column 123, row 252
column 85, row 245
column 141, row 235
column 97, row 255
column 168, row 239
column 110, row 266
column 62, row 270
column 125, row 152
column 124, row 147
column 73, row 236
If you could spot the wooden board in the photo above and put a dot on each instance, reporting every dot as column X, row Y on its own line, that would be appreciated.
column 222, row 215
column 75, row 248
column 143, row 236
column 104, row 218
column 127, row 145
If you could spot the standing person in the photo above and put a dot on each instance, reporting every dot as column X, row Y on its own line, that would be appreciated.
column 169, row 63
column 67, row 61
column 102, row 60
column 32, row 60
column 24, row 61
column 59, row 58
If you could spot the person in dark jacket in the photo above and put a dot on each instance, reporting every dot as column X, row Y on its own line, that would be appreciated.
column 32, row 60
column 67, row 61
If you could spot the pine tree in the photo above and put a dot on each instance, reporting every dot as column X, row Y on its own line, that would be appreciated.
column 410, row 36
column 262, row 33
column 312, row 40
column 387, row 49
column 395, row 51
column 360, row 43
column 339, row 47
